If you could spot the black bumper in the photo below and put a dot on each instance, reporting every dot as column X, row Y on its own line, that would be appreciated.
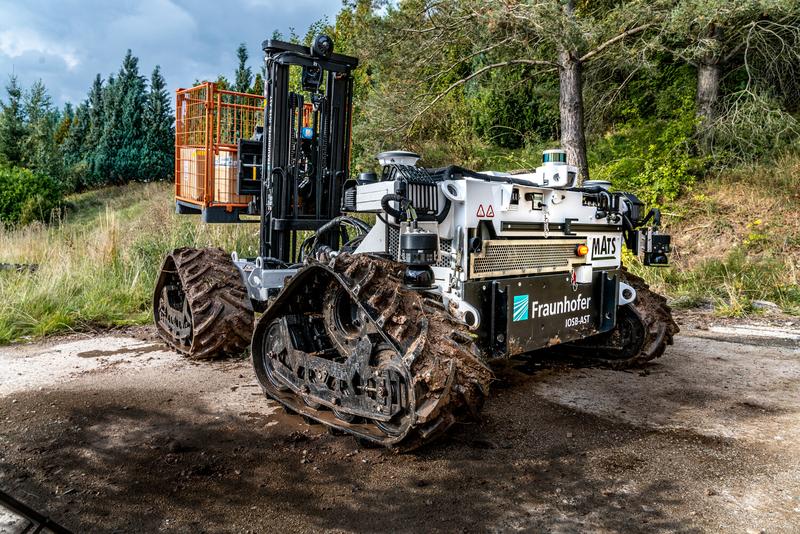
column 527, row 313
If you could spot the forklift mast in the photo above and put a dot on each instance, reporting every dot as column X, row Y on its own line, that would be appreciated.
column 295, row 169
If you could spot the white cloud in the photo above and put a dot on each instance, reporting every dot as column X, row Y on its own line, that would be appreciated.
column 152, row 21
column 18, row 41
column 66, row 43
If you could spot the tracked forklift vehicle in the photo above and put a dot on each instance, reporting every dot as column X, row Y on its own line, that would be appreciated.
column 386, row 330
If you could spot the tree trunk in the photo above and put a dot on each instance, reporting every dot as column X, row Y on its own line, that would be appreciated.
column 708, row 77
column 570, row 106
column 708, row 74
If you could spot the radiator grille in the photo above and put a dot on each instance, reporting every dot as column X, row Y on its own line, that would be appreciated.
column 515, row 257
column 445, row 248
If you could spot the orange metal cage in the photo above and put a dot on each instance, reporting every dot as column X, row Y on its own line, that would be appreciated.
column 208, row 124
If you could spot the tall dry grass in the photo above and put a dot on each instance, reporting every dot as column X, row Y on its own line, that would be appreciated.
column 97, row 266
column 736, row 239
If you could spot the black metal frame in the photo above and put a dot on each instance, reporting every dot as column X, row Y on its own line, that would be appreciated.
column 301, row 179
column 35, row 519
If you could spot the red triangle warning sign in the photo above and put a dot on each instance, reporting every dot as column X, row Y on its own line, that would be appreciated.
column 481, row 213
column 490, row 211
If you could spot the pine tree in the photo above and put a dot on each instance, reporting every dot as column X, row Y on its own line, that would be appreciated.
column 132, row 94
column 95, row 115
column 74, row 146
column 117, row 159
column 244, row 75
column 74, row 149
column 95, row 110
column 62, row 130
column 104, row 154
column 12, row 125
column 223, row 83
column 158, row 154
column 258, row 85
column 41, row 153
column 37, row 102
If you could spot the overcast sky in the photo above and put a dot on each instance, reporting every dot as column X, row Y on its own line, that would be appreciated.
column 65, row 43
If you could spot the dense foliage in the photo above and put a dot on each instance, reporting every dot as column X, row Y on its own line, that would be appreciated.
column 26, row 196
column 479, row 83
column 665, row 90
column 122, row 132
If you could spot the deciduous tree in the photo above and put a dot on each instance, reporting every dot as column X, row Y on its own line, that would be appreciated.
column 753, row 48
column 463, row 40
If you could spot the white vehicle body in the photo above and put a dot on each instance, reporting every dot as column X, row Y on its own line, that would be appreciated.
column 524, row 228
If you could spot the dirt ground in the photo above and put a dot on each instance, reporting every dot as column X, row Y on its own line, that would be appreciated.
column 113, row 434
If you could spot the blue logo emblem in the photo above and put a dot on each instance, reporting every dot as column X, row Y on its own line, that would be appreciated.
column 307, row 133
column 521, row 307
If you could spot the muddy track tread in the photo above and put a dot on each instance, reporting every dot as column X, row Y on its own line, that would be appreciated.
column 660, row 327
column 222, row 316
column 448, row 378
column 655, row 317
column 408, row 311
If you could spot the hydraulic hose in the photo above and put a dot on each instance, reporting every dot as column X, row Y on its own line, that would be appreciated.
column 310, row 243
column 404, row 202
column 393, row 197
column 442, row 215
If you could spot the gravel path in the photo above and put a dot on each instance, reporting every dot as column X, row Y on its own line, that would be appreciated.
column 113, row 434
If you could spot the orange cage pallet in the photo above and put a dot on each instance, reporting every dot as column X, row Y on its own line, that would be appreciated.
column 208, row 124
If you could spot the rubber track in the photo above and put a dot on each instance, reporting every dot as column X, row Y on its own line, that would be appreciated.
column 448, row 377
column 425, row 326
column 222, row 316
column 656, row 318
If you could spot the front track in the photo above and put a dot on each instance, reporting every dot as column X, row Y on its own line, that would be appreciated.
column 388, row 365
column 200, row 305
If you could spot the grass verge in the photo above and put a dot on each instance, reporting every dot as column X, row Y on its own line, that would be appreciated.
column 97, row 265
column 736, row 238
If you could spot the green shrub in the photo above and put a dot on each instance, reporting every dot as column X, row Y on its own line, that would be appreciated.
column 26, row 196
column 651, row 148
column 730, row 284
column 651, row 158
